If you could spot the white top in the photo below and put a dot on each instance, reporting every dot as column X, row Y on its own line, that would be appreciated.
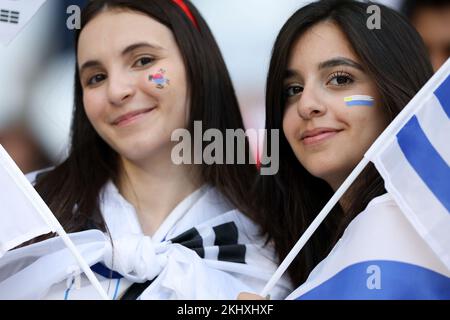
column 234, row 258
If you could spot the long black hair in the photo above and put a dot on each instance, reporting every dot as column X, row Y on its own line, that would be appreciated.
column 72, row 189
column 396, row 59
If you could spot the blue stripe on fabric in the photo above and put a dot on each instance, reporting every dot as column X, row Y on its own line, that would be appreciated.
column 104, row 271
column 117, row 289
column 443, row 95
column 66, row 293
column 425, row 160
column 397, row 281
column 368, row 103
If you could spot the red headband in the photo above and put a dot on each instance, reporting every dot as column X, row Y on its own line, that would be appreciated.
column 186, row 10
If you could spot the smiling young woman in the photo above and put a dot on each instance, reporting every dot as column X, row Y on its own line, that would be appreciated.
column 333, row 86
column 327, row 137
column 145, row 69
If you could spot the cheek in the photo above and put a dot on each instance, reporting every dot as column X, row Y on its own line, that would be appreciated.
column 376, row 122
column 93, row 107
column 367, row 123
column 290, row 124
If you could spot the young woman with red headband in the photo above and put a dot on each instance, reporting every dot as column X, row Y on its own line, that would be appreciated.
column 145, row 69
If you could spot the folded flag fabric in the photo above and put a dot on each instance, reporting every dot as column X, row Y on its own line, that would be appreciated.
column 380, row 256
column 21, row 217
column 415, row 165
column 14, row 16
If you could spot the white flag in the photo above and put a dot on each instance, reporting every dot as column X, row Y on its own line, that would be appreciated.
column 20, row 220
column 14, row 15
column 414, row 161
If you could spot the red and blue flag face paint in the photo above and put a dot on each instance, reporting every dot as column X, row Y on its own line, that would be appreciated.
column 159, row 79
column 359, row 100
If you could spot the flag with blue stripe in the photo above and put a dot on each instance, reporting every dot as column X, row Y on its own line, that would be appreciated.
column 380, row 256
column 415, row 163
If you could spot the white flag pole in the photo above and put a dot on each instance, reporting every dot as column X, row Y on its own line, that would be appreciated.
column 313, row 226
column 42, row 208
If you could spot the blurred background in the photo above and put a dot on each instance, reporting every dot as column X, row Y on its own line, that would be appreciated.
column 38, row 66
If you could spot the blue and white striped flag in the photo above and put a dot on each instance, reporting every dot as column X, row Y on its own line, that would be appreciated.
column 415, row 164
column 399, row 246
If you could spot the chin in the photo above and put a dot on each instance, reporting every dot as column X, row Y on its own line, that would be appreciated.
column 139, row 151
column 321, row 169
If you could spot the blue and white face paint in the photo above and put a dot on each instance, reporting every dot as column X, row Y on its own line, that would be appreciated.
column 359, row 100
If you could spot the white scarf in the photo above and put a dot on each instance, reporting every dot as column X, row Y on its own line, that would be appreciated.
column 203, row 250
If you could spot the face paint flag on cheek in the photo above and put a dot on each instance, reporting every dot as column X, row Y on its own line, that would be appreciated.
column 359, row 100
column 159, row 79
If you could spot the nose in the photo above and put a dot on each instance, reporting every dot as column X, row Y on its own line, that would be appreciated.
column 309, row 105
column 120, row 89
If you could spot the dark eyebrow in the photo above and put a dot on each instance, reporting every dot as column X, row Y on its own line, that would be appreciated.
column 127, row 50
column 135, row 46
column 340, row 61
column 290, row 73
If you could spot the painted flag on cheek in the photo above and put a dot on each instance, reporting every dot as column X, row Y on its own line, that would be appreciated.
column 359, row 100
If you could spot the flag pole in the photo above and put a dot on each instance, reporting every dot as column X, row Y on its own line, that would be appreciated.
column 48, row 216
column 313, row 226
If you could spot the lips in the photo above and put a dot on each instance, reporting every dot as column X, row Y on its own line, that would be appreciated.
column 318, row 135
column 130, row 116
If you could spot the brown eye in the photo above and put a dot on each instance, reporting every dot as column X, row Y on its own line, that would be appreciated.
column 293, row 90
column 340, row 79
column 96, row 79
column 143, row 61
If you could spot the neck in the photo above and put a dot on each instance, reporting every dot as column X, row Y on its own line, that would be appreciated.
column 345, row 200
column 155, row 187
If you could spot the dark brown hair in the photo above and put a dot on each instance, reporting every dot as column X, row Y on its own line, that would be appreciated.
column 396, row 60
column 72, row 189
